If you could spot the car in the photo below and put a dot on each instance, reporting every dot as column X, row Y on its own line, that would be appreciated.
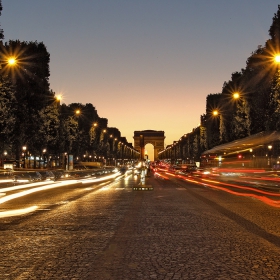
column 60, row 174
column 22, row 177
column 35, row 176
column 47, row 175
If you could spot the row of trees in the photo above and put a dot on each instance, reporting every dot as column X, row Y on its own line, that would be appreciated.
column 32, row 117
column 255, row 108
column 31, row 114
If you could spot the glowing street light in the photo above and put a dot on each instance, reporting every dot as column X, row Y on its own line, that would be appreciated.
column 215, row 113
column 236, row 95
column 12, row 61
column 58, row 98
column 8, row 62
column 277, row 58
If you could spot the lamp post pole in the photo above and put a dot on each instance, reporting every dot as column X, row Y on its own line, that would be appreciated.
column 24, row 154
column 44, row 157
column 269, row 156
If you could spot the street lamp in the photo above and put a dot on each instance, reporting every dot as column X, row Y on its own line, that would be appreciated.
column 277, row 58
column 7, row 64
column 58, row 98
column 236, row 95
column 215, row 113
column 24, row 154
column 269, row 161
column 5, row 158
column 44, row 157
column 12, row 61
column 77, row 113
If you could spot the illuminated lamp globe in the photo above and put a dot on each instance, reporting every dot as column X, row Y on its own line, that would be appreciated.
column 236, row 95
column 215, row 113
column 12, row 61
column 277, row 58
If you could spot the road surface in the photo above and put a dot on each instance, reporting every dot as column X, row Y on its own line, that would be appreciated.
column 178, row 230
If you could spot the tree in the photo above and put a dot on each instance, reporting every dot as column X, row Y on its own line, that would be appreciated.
column 241, row 120
column 1, row 30
column 212, row 123
column 274, row 30
column 273, row 114
column 49, row 129
column 30, row 81
column 7, row 114
column 70, row 134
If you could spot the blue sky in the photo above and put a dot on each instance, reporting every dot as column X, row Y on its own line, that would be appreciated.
column 146, row 64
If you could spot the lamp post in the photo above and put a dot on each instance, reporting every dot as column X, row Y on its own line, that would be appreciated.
column 269, row 157
column 12, row 61
column 24, row 154
column 44, row 157
column 77, row 113
column 111, row 152
column 215, row 113
column 94, row 139
column 4, row 159
column 277, row 58
column 116, row 150
column 105, row 143
column 215, row 137
column 61, row 145
column 236, row 95
column 58, row 98
column 9, row 61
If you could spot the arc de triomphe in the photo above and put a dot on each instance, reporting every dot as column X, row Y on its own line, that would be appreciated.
column 154, row 137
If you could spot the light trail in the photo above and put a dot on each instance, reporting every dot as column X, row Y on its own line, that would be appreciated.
column 160, row 175
column 24, row 186
column 266, row 200
column 94, row 180
column 37, row 189
column 51, row 185
column 243, row 187
column 17, row 212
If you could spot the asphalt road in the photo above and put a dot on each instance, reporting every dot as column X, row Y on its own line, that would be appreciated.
column 178, row 230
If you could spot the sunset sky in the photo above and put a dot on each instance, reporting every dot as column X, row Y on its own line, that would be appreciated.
column 146, row 64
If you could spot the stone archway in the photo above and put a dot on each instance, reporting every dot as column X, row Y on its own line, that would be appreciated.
column 154, row 137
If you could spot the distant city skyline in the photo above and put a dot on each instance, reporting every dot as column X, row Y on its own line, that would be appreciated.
column 144, row 65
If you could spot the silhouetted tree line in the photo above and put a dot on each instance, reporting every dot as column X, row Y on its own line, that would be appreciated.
column 31, row 115
column 257, row 108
